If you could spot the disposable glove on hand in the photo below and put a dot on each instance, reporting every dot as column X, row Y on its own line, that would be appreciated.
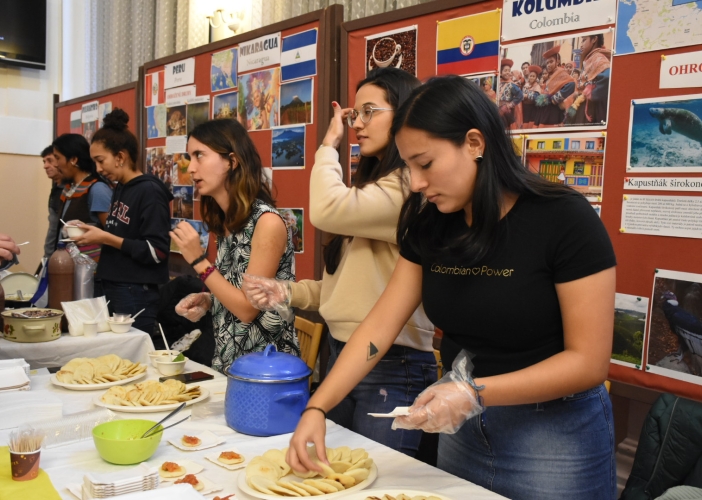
column 267, row 294
column 194, row 306
column 445, row 405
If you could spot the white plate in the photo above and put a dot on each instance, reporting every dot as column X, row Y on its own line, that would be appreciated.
column 94, row 387
column 243, row 486
column 175, row 492
column 379, row 492
column 213, row 458
column 66, row 240
column 190, row 468
column 204, row 393
column 208, row 439
column 209, row 486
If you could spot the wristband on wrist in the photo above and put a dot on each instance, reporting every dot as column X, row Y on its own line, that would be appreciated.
column 476, row 389
column 198, row 260
column 315, row 408
column 206, row 273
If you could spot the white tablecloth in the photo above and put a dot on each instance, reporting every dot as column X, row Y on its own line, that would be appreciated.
column 133, row 345
column 67, row 464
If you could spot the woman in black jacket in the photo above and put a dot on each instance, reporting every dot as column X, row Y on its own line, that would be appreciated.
column 135, row 242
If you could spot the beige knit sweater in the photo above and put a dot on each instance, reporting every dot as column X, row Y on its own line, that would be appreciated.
column 370, row 216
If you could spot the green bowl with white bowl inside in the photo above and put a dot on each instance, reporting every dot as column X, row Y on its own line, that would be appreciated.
column 120, row 442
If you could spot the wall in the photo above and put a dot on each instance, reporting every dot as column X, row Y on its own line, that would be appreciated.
column 24, row 196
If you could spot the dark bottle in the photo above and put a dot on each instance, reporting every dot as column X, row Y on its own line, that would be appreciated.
column 61, row 268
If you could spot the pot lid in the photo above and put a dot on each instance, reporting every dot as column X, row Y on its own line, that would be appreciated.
column 269, row 365
column 24, row 282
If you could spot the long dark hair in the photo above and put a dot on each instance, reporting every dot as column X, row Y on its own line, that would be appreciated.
column 75, row 146
column 244, row 183
column 397, row 86
column 447, row 108
column 115, row 136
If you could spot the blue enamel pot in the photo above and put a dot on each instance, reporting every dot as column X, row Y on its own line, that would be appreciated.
column 266, row 392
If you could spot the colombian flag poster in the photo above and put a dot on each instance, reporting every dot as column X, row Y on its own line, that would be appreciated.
column 469, row 44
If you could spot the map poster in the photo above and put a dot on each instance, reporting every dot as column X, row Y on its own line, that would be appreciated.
column 675, row 329
column 630, row 313
column 223, row 73
column 665, row 134
column 646, row 25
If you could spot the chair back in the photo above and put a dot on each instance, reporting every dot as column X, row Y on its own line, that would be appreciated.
column 309, row 335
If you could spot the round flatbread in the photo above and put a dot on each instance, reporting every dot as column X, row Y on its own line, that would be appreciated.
column 326, row 488
column 291, row 485
column 191, row 441
column 260, row 466
column 278, row 458
column 230, row 458
column 171, row 469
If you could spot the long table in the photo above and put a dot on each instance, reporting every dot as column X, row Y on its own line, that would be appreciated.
column 133, row 345
column 67, row 464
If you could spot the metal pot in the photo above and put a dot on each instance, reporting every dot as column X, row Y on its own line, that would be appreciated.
column 266, row 392
column 18, row 329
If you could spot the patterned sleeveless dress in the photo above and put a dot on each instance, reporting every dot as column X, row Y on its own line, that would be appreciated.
column 234, row 338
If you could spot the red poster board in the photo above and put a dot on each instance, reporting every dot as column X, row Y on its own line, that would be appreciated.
column 124, row 97
column 291, row 187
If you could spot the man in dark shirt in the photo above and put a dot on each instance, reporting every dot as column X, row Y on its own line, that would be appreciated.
column 52, row 172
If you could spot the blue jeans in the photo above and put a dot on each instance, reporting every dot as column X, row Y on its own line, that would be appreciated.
column 396, row 380
column 130, row 298
column 554, row 450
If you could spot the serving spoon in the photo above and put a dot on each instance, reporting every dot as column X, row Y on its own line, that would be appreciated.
column 182, row 405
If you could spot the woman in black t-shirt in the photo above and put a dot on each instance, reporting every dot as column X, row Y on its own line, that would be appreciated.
column 519, row 274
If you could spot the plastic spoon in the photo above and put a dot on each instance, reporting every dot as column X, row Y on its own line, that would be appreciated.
column 165, row 342
column 99, row 313
column 182, row 405
column 168, row 426
column 137, row 314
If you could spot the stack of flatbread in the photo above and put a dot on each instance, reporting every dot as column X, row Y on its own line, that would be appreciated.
column 346, row 468
column 150, row 393
column 102, row 370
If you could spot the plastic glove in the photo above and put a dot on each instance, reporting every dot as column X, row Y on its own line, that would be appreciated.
column 267, row 294
column 194, row 306
column 445, row 405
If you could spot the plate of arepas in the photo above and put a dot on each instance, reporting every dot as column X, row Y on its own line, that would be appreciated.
column 150, row 396
column 269, row 477
column 90, row 374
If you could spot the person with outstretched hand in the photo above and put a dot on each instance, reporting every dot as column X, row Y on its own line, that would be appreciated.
column 519, row 274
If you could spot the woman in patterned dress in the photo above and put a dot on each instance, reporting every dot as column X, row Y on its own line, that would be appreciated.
column 237, row 206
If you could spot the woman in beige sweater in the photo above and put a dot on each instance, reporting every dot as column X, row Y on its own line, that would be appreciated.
column 361, row 258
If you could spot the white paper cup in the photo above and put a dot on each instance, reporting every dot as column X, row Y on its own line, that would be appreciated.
column 90, row 328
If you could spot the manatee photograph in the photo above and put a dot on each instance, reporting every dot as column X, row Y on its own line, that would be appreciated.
column 666, row 135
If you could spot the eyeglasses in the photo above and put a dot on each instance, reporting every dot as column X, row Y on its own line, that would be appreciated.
column 366, row 114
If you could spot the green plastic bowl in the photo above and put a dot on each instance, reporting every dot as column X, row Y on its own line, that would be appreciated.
column 119, row 442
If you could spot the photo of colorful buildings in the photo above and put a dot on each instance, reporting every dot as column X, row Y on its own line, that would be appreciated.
column 576, row 160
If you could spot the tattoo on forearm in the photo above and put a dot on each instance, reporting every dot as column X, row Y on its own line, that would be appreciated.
column 372, row 351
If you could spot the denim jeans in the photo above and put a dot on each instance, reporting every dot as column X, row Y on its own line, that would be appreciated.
column 130, row 298
column 396, row 380
column 554, row 450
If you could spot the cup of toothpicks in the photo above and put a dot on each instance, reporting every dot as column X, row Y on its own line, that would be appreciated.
column 25, row 447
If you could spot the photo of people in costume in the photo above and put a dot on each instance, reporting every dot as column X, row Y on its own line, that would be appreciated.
column 487, row 83
column 560, row 82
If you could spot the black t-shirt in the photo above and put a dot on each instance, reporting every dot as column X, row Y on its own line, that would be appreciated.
column 504, row 309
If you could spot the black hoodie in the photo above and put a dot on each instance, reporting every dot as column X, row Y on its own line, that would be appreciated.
column 140, row 214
